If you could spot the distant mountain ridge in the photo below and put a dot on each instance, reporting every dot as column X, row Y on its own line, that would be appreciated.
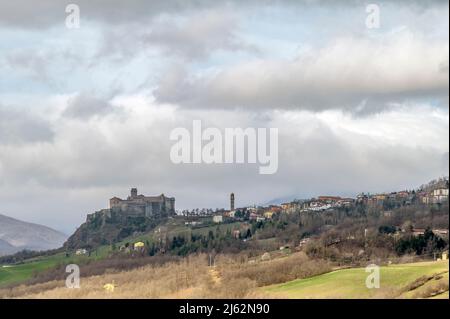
column 16, row 235
column 280, row 200
column 6, row 248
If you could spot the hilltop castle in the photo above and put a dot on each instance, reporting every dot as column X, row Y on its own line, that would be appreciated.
column 140, row 205
column 124, row 217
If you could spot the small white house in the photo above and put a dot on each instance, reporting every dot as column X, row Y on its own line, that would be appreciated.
column 81, row 251
column 218, row 219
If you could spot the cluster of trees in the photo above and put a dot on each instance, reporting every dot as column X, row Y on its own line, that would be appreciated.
column 218, row 241
column 426, row 244
column 181, row 245
column 360, row 232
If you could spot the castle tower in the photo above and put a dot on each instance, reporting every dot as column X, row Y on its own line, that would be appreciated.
column 232, row 202
column 133, row 192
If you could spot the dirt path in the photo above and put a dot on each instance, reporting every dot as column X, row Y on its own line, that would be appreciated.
column 215, row 276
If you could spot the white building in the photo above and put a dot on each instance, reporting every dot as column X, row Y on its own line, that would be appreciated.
column 218, row 218
column 440, row 195
column 81, row 252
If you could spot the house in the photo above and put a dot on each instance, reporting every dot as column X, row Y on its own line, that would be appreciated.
column 329, row 199
column 440, row 195
column 418, row 231
column 252, row 209
column 377, row 199
column 81, row 252
column 218, row 219
column 274, row 209
column 291, row 207
column 441, row 232
column 403, row 194
column 345, row 202
column 437, row 196
column 317, row 206
column 362, row 198
column 139, row 245
column 423, row 198
column 268, row 214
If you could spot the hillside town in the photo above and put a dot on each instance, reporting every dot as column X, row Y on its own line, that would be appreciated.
column 140, row 214
column 433, row 193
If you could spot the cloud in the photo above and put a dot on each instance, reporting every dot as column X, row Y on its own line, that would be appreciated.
column 49, row 13
column 18, row 127
column 83, row 106
column 346, row 74
column 194, row 36
column 22, row 14
column 34, row 63
column 198, row 35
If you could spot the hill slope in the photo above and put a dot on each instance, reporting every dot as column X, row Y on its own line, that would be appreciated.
column 416, row 280
column 16, row 235
column 6, row 248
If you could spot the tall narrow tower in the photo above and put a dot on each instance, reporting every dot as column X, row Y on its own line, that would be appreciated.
column 232, row 201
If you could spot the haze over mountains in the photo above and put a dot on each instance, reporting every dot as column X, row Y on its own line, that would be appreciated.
column 16, row 235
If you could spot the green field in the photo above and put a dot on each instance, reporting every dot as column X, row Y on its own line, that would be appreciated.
column 350, row 283
column 17, row 273
column 13, row 274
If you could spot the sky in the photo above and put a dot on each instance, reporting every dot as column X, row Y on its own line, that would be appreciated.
column 86, row 113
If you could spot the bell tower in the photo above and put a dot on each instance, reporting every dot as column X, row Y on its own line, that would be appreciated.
column 232, row 202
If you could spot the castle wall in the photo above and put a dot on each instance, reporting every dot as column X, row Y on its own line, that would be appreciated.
column 140, row 205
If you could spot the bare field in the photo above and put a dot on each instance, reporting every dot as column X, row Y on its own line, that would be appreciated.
column 233, row 277
column 290, row 276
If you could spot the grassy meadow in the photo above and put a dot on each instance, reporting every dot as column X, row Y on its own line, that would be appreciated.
column 396, row 281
